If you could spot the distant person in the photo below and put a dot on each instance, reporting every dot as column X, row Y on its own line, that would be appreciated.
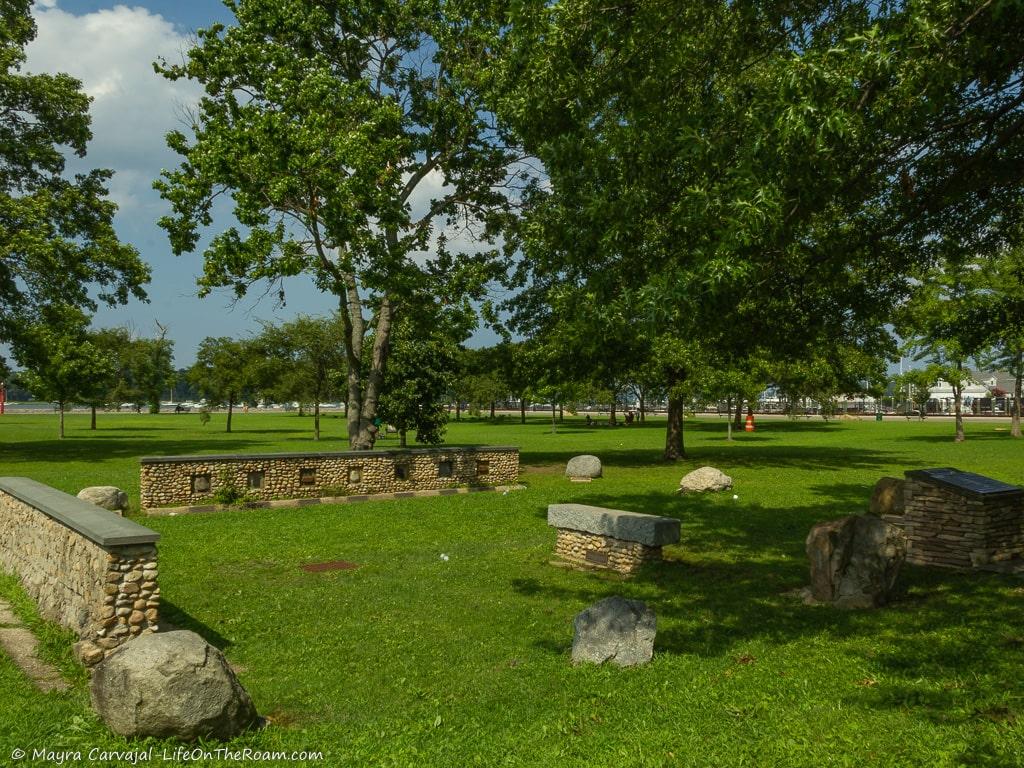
column 590, row 421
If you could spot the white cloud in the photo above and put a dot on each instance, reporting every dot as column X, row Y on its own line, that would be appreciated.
column 112, row 52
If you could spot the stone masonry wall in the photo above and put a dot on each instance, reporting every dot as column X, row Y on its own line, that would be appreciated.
column 951, row 530
column 105, row 594
column 603, row 552
column 189, row 480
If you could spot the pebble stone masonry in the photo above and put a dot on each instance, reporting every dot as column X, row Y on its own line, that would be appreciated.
column 87, row 568
column 186, row 480
column 610, row 539
column 957, row 519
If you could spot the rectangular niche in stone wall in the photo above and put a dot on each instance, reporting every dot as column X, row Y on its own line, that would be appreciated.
column 355, row 474
column 483, row 467
column 254, row 480
column 307, row 476
column 444, row 468
column 401, row 471
column 201, row 483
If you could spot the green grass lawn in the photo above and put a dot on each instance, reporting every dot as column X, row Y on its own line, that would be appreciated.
column 411, row 660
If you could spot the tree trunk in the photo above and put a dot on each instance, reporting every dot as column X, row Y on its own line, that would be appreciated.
column 361, row 405
column 611, row 414
column 561, row 414
column 316, row 419
column 60, row 428
column 642, row 404
column 458, row 410
column 92, row 417
column 674, row 449
column 737, row 421
column 554, row 424
column 401, row 438
column 957, row 398
column 231, row 406
column 522, row 410
column 1015, row 420
column 492, row 409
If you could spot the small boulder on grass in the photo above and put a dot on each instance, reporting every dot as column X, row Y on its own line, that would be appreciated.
column 705, row 479
column 170, row 685
column 585, row 466
column 106, row 496
column 614, row 629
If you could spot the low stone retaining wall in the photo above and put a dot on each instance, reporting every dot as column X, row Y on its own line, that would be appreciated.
column 962, row 520
column 87, row 569
column 195, row 480
column 610, row 539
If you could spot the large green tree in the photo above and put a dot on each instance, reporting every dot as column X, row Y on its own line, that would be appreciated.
column 57, row 241
column 768, row 172
column 345, row 135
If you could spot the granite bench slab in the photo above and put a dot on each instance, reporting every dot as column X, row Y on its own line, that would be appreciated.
column 650, row 530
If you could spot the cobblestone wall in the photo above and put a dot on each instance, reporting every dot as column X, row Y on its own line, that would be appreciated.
column 603, row 552
column 949, row 529
column 189, row 480
column 106, row 594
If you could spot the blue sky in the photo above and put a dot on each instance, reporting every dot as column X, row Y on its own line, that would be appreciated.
column 110, row 47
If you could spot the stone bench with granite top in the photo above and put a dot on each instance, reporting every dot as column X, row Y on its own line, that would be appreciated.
column 610, row 539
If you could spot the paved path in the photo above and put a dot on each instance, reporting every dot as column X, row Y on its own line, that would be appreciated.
column 20, row 644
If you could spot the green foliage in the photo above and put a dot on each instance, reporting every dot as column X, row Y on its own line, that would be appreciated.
column 143, row 368
column 419, row 376
column 62, row 362
column 303, row 359
column 225, row 370
column 228, row 493
column 58, row 248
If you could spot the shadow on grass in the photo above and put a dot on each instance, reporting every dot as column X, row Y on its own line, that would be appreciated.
column 181, row 619
column 736, row 454
column 970, row 435
column 945, row 650
column 97, row 448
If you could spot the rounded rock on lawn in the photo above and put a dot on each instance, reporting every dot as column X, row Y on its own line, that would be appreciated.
column 170, row 685
column 705, row 479
column 106, row 496
column 614, row 629
column 583, row 466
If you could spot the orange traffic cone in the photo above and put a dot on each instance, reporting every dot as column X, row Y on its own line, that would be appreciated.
column 750, row 421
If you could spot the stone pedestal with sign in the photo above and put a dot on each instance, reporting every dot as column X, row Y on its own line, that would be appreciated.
column 955, row 519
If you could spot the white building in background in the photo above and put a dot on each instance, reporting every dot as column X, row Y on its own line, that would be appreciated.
column 942, row 394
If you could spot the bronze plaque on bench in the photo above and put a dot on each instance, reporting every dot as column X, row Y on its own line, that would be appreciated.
column 597, row 558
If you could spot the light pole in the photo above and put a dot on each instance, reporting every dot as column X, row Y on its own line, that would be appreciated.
column 3, row 397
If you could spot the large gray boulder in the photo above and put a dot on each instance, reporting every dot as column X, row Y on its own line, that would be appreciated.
column 106, row 496
column 887, row 497
column 583, row 466
column 614, row 629
column 705, row 479
column 170, row 685
column 855, row 561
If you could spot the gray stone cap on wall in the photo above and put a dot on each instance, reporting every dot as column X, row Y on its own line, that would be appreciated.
column 652, row 530
column 95, row 523
column 965, row 483
column 394, row 452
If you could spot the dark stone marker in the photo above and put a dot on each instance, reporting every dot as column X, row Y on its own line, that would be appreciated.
column 966, row 483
